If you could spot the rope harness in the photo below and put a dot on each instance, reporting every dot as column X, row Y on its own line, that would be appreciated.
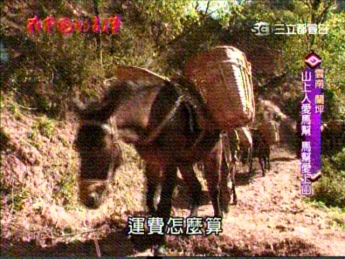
column 116, row 151
column 153, row 135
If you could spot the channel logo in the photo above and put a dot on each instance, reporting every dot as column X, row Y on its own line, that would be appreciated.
column 261, row 29
column 264, row 29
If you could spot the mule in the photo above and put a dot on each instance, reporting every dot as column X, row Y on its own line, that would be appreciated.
column 165, row 127
column 261, row 150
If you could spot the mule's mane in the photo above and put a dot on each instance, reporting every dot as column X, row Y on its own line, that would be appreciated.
column 112, row 99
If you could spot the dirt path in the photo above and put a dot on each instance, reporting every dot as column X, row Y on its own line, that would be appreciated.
column 270, row 219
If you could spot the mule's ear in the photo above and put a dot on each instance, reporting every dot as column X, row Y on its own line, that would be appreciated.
column 78, row 107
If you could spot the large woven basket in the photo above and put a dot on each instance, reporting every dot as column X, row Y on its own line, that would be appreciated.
column 223, row 77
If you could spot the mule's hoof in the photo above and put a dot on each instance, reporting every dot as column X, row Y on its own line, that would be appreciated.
column 194, row 212
column 141, row 243
column 218, row 215
column 226, row 209
column 160, row 251
column 152, row 212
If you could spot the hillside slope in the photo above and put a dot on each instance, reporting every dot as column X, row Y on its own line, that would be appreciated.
column 41, row 215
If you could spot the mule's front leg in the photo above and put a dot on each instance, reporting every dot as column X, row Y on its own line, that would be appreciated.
column 250, row 159
column 152, row 173
column 268, row 159
column 164, row 206
column 262, row 161
column 194, row 187
column 213, row 174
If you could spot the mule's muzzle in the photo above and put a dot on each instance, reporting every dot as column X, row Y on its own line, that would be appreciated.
column 91, row 192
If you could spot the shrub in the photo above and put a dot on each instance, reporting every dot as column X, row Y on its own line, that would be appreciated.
column 330, row 188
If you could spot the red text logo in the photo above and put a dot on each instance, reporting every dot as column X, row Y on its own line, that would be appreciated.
column 67, row 26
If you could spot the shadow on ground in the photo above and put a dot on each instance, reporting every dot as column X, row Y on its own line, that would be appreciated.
column 115, row 244
column 282, row 159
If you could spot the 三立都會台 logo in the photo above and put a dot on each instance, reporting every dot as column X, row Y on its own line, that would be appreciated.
column 261, row 29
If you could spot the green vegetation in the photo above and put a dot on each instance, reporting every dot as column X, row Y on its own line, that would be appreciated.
column 46, row 126
column 330, row 188
column 337, row 215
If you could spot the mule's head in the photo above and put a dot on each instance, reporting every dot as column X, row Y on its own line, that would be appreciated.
column 100, row 156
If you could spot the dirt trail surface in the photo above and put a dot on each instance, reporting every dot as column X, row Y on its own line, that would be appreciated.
column 270, row 219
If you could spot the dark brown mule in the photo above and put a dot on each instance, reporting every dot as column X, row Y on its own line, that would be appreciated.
column 261, row 150
column 162, row 124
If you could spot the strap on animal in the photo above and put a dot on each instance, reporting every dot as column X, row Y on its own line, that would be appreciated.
column 110, row 128
column 167, row 118
column 226, row 148
column 115, row 140
column 89, row 182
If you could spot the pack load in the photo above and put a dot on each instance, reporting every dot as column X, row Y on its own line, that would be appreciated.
column 223, row 78
column 270, row 132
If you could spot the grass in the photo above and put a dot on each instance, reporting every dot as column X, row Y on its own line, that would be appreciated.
column 329, row 190
column 46, row 126
column 337, row 215
column 338, row 218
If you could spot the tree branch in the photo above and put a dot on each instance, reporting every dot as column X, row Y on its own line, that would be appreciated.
column 185, row 32
column 323, row 14
column 208, row 5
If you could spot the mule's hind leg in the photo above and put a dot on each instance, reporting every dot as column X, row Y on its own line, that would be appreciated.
column 268, row 158
column 225, row 194
column 152, row 173
column 262, row 161
column 233, row 182
column 194, row 187
column 250, row 159
column 168, row 185
column 213, row 176
column 251, row 171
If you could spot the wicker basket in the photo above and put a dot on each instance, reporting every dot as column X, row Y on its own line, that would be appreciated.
column 223, row 78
